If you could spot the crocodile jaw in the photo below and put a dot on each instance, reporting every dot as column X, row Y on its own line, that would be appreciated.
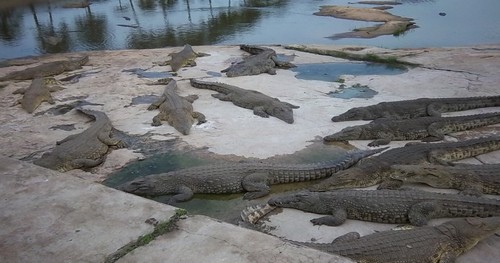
column 305, row 201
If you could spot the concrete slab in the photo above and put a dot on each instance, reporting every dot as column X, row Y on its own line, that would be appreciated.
column 201, row 239
column 53, row 217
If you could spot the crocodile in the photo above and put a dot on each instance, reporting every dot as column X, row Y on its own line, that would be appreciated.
column 47, row 69
column 177, row 110
column 386, row 206
column 82, row 150
column 253, row 178
column 185, row 57
column 38, row 92
column 261, row 104
column 473, row 179
column 407, row 109
column 376, row 170
column 426, row 128
column 261, row 60
column 429, row 244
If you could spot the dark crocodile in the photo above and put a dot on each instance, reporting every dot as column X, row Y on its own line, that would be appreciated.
column 38, row 92
column 253, row 178
column 386, row 206
column 429, row 129
column 261, row 60
column 471, row 179
column 407, row 109
column 47, row 69
column 82, row 150
column 176, row 110
column 429, row 244
column 261, row 104
column 185, row 57
column 376, row 170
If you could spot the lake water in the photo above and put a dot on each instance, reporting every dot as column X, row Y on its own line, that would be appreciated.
column 134, row 24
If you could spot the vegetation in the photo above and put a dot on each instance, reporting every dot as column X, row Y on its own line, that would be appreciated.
column 160, row 229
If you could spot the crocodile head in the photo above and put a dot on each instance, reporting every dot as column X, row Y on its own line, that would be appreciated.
column 471, row 230
column 349, row 133
column 354, row 114
column 305, row 201
column 351, row 178
column 144, row 186
column 181, row 122
column 427, row 174
column 282, row 112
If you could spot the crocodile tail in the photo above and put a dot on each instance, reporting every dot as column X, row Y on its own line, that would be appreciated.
column 360, row 154
column 254, row 213
column 93, row 113
column 215, row 86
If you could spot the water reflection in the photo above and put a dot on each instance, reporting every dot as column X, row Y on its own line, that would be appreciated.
column 118, row 24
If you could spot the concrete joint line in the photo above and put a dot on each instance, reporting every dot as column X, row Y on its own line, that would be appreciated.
column 160, row 229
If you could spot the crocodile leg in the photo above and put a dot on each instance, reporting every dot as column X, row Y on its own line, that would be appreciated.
column 104, row 138
column 191, row 98
column 200, row 116
column 162, row 116
column 256, row 185
column 183, row 194
column 20, row 91
column 420, row 213
column 260, row 111
column 155, row 105
column 86, row 163
column 346, row 237
column 222, row 97
column 338, row 217
column 432, row 111
column 435, row 132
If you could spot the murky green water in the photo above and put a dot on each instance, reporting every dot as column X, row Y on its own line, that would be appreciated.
column 133, row 24
column 224, row 207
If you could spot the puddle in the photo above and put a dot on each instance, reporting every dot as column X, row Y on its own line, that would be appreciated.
column 148, row 74
column 355, row 91
column 214, row 74
column 225, row 207
column 145, row 99
column 332, row 71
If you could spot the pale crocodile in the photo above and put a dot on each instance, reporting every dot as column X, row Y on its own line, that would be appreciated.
column 428, row 129
column 82, row 150
column 407, row 109
column 430, row 244
column 386, row 206
column 47, row 69
column 253, row 178
column 261, row 104
column 376, row 170
column 38, row 92
column 183, row 58
column 475, row 179
column 261, row 60
column 176, row 110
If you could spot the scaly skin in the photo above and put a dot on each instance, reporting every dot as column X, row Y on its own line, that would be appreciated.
column 468, row 178
column 376, row 170
column 408, row 109
column 386, row 206
column 185, row 57
column 82, row 150
column 261, row 104
column 426, row 128
column 253, row 178
column 47, row 69
column 430, row 244
column 177, row 110
column 38, row 92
